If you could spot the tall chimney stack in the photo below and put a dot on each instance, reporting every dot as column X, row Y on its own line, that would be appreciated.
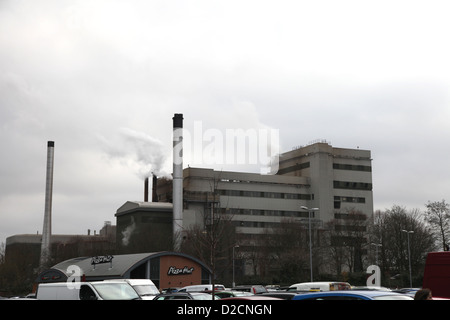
column 47, row 229
column 177, row 180
column 146, row 189
column 154, row 188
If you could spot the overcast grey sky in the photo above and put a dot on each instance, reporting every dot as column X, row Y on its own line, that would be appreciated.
column 103, row 79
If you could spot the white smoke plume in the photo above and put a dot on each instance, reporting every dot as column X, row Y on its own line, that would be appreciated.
column 140, row 150
column 126, row 234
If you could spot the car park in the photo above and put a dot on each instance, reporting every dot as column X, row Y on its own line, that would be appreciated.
column 185, row 296
column 352, row 295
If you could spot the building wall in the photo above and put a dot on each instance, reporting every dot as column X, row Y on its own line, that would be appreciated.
column 189, row 272
column 335, row 180
column 338, row 181
column 144, row 227
column 341, row 179
column 252, row 201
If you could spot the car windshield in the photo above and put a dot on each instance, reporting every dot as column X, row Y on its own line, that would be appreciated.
column 146, row 290
column 394, row 297
column 115, row 291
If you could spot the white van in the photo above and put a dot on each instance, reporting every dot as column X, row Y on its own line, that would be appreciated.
column 202, row 287
column 320, row 286
column 145, row 288
column 98, row 290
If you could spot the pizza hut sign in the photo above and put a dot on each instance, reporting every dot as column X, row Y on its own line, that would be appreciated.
column 174, row 271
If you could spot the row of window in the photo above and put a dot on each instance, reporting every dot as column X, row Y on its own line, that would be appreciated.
column 338, row 200
column 352, row 185
column 296, row 167
column 337, row 166
column 352, row 167
column 271, row 213
column 261, row 224
column 261, row 194
column 346, row 216
column 350, row 199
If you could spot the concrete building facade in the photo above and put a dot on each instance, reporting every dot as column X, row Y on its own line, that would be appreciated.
column 340, row 179
column 337, row 181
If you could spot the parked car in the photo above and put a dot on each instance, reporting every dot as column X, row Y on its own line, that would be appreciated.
column 255, row 289
column 320, row 286
column 185, row 296
column 408, row 291
column 231, row 294
column 280, row 294
column 352, row 295
column 201, row 287
column 169, row 290
column 361, row 288
column 145, row 288
column 97, row 290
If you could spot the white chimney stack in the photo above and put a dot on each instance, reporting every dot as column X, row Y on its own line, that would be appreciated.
column 47, row 230
column 177, row 180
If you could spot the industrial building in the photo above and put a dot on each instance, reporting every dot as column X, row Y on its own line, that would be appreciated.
column 26, row 248
column 315, row 184
column 144, row 227
column 340, row 179
column 253, row 202
column 333, row 181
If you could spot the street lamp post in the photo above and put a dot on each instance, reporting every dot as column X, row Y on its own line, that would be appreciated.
column 234, row 284
column 310, row 242
column 409, row 256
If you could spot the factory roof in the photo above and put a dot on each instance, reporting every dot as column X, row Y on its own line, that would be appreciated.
column 131, row 206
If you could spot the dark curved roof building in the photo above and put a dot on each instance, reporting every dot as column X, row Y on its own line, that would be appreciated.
column 165, row 269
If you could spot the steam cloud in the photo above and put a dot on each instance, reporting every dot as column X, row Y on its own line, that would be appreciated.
column 146, row 153
column 126, row 234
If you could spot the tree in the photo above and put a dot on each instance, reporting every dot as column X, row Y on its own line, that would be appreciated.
column 287, row 250
column 393, row 255
column 212, row 243
column 438, row 216
column 2, row 253
column 347, row 240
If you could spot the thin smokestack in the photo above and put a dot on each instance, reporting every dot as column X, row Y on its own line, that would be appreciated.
column 47, row 229
column 154, row 188
column 146, row 190
column 177, row 179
